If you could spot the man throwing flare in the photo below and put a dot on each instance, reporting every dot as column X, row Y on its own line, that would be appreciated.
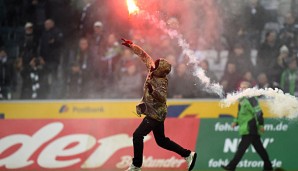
column 153, row 105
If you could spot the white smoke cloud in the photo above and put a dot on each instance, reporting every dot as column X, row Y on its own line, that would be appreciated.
column 279, row 103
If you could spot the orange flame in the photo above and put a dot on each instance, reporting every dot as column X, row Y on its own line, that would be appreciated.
column 132, row 7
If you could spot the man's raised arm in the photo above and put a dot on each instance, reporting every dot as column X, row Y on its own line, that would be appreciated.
column 140, row 52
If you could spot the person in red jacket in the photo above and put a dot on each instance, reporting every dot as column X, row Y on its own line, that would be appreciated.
column 153, row 105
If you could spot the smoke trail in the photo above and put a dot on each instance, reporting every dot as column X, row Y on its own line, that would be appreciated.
column 279, row 103
column 193, row 59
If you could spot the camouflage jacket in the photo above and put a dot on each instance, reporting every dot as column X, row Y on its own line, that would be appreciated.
column 153, row 103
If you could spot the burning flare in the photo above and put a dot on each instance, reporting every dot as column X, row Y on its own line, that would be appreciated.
column 132, row 7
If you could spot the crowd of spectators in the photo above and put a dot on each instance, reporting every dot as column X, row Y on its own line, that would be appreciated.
column 68, row 49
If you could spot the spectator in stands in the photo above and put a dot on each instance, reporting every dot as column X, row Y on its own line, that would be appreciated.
column 289, row 78
column 96, row 39
column 50, row 49
column 288, row 35
column 28, row 64
column 81, row 72
column 267, row 53
column 241, row 59
column 7, row 76
column 230, row 78
column 107, row 62
column 130, row 84
column 96, row 43
column 279, row 65
column 184, row 86
column 254, row 18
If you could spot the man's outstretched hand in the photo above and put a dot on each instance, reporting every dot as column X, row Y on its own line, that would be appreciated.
column 126, row 43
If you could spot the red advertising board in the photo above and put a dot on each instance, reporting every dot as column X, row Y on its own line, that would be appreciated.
column 75, row 144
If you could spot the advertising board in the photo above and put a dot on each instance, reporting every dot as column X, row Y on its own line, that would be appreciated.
column 217, row 143
column 74, row 144
column 113, row 109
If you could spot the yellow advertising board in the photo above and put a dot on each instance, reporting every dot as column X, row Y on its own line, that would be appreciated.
column 111, row 109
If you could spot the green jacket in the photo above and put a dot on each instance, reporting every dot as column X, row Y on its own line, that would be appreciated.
column 153, row 103
column 250, row 116
column 289, row 81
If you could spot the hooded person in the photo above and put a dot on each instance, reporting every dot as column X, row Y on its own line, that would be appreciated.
column 153, row 106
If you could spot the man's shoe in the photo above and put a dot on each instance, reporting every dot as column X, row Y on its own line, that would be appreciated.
column 133, row 168
column 226, row 168
column 191, row 160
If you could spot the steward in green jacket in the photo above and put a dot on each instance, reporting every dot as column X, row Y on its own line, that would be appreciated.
column 250, row 117
column 251, row 125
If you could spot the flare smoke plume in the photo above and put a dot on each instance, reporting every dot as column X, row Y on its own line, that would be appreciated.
column 193, row 59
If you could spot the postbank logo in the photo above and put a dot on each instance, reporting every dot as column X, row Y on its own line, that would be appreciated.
column 81, row 109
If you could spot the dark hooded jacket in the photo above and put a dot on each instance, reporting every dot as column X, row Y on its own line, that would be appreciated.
column 153, row 103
